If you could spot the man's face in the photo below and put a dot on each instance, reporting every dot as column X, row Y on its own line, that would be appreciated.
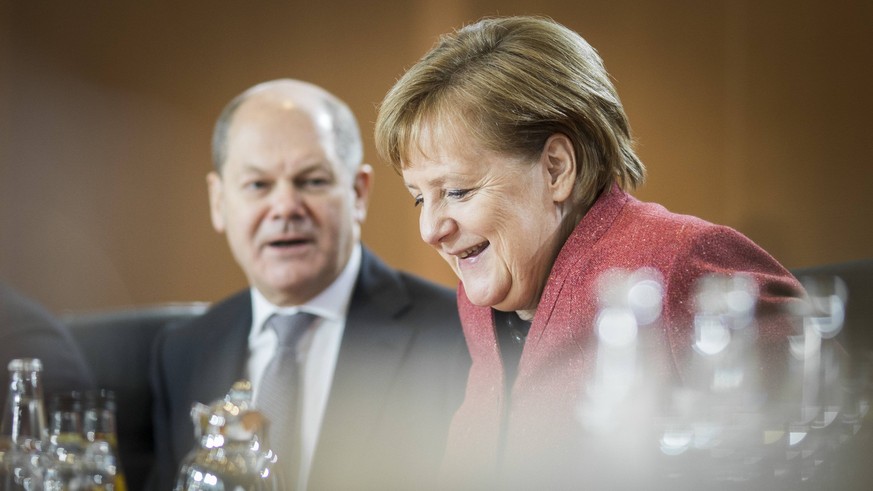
column 290, row 209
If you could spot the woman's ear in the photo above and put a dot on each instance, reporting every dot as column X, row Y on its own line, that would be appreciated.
column 561, row 165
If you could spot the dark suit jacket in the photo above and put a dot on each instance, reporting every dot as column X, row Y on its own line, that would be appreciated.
column 27, row 330
column 400, row 375
column 537, row 421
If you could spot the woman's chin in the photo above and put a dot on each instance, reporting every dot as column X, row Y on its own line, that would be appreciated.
column 482, row 296
column 475, row 297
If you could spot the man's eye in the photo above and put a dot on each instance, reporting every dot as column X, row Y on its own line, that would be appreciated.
column 418, row 200
column 257, row 185
column 315, row 182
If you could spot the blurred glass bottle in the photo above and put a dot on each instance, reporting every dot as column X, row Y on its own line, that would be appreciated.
column 23, row 431
column 102, row 466
column 231, row 452
column 66, row 445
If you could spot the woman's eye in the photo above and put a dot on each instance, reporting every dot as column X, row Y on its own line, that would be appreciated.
column 457, row 193
column 418, row 201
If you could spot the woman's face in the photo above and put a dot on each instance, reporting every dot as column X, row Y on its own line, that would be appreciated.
column 495, row 218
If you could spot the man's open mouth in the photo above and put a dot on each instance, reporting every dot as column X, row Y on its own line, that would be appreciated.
column 289, row 243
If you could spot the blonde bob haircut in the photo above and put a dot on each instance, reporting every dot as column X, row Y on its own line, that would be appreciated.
column 511, row 83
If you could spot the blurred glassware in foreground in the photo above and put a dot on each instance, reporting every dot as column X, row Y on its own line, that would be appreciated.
column 232, row 451
column 101, row 465
column 62, row 459
column 735, row 419
column 66, row 444
column 629, row 301
column 23, row 429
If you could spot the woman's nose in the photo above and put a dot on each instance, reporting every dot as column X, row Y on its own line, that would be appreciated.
column 435, row 225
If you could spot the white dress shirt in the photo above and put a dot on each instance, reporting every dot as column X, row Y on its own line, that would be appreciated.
column 321, row 346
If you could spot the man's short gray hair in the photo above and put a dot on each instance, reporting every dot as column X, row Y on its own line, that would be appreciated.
column 344, row 125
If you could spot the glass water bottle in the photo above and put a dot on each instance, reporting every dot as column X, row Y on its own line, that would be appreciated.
column 231, row 454
column 101, row 462
column 66, row 445
column 23, row 431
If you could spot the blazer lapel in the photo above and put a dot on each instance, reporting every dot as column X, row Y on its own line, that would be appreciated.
column 224, row 350
column 216, row 358
column 372, row 351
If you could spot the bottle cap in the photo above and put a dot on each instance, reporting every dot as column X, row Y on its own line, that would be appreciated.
column 25, row 364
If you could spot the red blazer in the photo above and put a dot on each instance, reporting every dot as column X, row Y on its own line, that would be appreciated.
column 619, row 231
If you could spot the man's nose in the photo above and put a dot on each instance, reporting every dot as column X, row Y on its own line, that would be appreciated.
column 287, row 201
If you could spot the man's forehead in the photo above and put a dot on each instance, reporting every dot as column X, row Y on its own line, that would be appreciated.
column 300, row 99
column 286, row 132
column 271, row 118
column 277, row 109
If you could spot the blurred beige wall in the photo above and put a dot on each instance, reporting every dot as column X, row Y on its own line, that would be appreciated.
column 751, row 114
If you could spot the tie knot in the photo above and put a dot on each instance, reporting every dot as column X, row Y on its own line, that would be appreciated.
column 290, row 328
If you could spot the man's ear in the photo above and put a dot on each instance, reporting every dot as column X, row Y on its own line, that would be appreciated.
column 561, row 165
column 216, row 201
column 363, row 185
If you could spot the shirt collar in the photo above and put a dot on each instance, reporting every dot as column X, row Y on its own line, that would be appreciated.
column 331, row 304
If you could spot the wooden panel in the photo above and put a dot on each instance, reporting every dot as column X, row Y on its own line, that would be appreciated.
column 749, row 114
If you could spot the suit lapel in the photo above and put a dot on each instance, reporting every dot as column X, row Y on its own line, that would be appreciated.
column 372, row 350
column 216, row 354
column 222, row 359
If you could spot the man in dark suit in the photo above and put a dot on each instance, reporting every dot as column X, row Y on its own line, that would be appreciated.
column 384, row 361
column 28, row 330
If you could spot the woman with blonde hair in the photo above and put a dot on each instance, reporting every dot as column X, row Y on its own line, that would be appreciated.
column 514, row 145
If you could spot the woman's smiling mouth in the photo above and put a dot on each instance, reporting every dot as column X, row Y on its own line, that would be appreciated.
column 473, row 251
